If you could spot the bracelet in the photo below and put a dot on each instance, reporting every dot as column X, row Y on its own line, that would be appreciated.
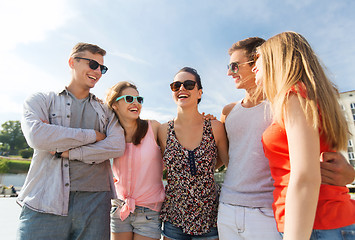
column 58, row 154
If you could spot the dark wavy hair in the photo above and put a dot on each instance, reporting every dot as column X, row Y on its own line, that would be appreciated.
column 197, row 77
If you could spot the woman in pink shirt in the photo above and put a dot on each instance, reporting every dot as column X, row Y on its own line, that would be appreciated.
column 139, row 186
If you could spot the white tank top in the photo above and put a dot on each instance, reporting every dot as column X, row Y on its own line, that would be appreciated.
column 248, row 180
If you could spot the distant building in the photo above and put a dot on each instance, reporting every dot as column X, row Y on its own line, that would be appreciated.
column 347, row 101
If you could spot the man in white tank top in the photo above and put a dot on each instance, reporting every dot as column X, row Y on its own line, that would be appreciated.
column 246, row 197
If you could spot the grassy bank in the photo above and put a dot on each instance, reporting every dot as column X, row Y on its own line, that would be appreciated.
column 14, row 166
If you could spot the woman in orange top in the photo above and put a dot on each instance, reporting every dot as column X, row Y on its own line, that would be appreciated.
column 307, row 121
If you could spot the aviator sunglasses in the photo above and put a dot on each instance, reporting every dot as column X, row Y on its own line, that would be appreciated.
column 130, row 99
column 234, row 66
column 188, row 85
column 94, row 65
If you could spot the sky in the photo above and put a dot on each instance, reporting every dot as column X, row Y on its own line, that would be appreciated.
column 148, row 41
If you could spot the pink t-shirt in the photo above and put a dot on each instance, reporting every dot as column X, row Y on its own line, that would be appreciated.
column 139, row 174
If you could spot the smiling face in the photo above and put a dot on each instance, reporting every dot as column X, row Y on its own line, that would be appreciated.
column 244, row 78
column 127, row 111
column 83, row 76
column 182, row 96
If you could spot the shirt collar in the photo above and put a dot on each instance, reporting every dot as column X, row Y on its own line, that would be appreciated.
column 65, row 91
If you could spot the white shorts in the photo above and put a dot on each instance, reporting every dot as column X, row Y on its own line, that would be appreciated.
column 238, row 222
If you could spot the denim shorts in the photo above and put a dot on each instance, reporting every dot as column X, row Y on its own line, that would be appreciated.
column 175, row 233
column 344, row 233
column 143, row 221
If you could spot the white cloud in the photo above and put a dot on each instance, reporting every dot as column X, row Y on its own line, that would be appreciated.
column 19, row 79
column 25, row 21
column 9, row 105
column 23, row 77
column 156, row 115
column 128, row 57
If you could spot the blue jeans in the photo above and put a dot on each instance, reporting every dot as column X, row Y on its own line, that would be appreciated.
column 344, row 233
column 176, row 233
column 88, row 218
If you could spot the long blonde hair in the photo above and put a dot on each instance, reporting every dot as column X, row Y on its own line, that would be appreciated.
column 289, row 61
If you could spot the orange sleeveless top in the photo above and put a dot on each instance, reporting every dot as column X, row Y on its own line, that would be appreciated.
column 335, row 208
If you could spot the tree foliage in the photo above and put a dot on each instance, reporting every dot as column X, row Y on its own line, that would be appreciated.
column 11, row 134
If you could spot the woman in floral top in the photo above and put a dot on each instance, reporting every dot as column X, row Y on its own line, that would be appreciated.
column 192, row 149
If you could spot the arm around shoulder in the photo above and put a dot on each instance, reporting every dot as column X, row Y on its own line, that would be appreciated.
column 336, row 170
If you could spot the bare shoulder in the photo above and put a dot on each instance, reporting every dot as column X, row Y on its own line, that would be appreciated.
column 163, row 129
column 217, row 125
column 155, row 127
column 294, row 104
column 162, row 136
column 226, row 110
column 163, row 126
column 155, row 124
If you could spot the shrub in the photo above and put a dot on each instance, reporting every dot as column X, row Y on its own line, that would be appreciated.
column 4, row 165
column 26, row 153
column 19, row 166
column 14, row 166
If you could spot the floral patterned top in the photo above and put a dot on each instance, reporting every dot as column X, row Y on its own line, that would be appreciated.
column 191, row 200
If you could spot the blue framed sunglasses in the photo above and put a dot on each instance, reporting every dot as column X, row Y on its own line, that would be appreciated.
column 130, row 99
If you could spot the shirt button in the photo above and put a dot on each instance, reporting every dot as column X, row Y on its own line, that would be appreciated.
column 66, row 165
column 68, row 116
column 67, row 184
column 68, row 104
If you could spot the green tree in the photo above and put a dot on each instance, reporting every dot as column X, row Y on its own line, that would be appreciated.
column 11, row 134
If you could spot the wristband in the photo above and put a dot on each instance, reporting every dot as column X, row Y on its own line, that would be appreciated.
column 58, row 154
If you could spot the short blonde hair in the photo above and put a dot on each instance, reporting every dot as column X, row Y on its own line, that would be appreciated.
column 288, row 60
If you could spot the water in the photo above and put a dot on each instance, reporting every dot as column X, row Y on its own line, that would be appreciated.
column 8, row 179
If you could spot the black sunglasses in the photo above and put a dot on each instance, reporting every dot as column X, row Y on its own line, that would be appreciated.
column 94, row 65
column 188, row 85
column 130, row 99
